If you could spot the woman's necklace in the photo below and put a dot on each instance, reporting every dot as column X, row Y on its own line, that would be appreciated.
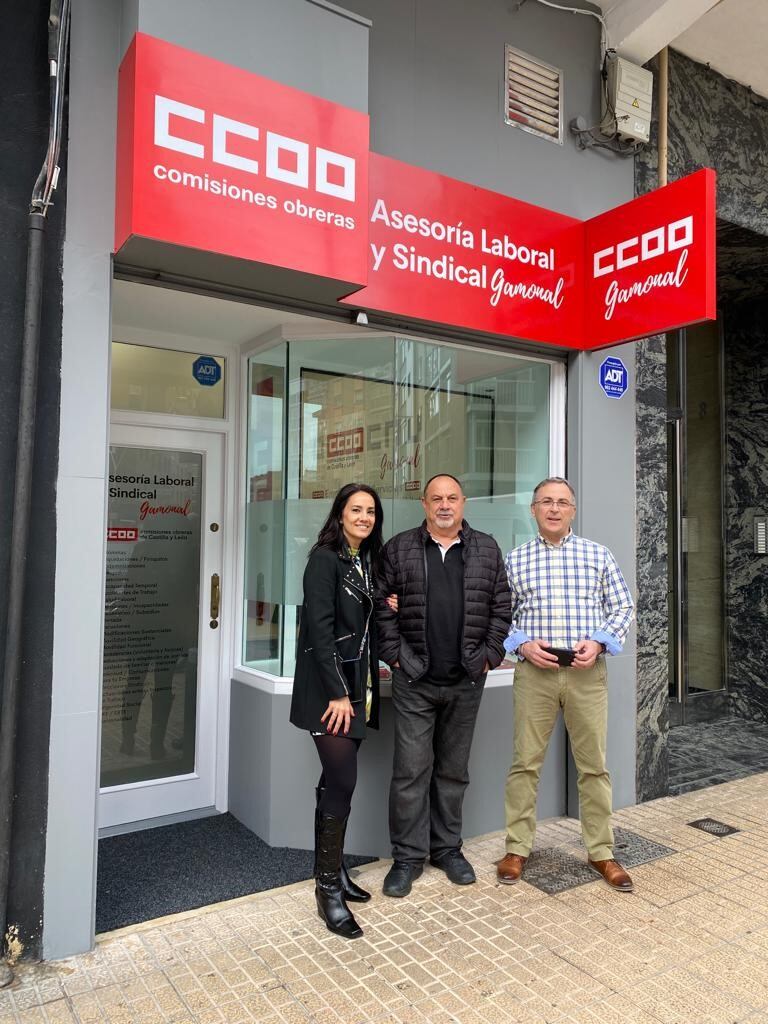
column 358, row 564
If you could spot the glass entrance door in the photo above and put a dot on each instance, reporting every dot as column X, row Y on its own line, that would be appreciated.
column 161, row 624
column 696, row 578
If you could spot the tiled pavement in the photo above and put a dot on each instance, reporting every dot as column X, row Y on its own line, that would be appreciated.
column 690, row 946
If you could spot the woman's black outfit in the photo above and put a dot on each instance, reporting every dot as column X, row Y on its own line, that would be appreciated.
column 337, row 657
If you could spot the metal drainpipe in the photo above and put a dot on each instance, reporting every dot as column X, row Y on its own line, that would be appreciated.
column 663, row 115
column 22, row 502
column 58, row 38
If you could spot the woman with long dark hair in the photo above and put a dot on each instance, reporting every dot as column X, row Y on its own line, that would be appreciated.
column 336, row 685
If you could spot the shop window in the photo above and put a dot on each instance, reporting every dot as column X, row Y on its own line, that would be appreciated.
column 265, row 512
column 148, row 379
column 389, row 412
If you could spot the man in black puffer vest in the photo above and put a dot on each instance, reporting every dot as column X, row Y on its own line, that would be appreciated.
column 453, row 614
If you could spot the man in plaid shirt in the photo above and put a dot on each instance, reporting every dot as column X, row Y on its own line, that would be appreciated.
column 570, row 605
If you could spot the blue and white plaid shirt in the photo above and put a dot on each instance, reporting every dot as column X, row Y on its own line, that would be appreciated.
column 566, row 593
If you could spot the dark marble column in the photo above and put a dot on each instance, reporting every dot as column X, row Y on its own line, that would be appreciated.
column 652, row 557
column 652, row 560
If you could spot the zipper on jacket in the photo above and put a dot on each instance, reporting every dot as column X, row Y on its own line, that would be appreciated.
column 348, row 584
column 424, row 543
column 365, row 635
column 340, row 674
column 464, row 607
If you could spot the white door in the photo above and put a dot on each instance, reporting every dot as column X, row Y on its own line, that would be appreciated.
column 162, row 656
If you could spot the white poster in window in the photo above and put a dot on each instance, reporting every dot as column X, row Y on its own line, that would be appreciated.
column 149, row 690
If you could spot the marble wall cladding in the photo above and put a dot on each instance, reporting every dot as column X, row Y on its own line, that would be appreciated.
column 742, row 267
column 716, row 123
column 746, row 491
column 652, row 618
column 652, row 772
column 719, row 123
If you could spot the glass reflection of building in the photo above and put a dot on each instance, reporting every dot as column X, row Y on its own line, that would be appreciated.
column 389, row 412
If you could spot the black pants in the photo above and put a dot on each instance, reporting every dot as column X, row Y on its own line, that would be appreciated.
column 434, row 726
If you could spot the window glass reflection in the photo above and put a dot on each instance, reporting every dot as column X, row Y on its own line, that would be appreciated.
column 389, row 412
column 148, row 379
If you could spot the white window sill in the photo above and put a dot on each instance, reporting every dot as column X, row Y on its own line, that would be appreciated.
column 281, row 685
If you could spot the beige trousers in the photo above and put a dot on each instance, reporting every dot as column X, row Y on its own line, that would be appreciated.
column 583, row 696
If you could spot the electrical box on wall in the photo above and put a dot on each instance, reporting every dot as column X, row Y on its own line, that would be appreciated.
column 627, row 94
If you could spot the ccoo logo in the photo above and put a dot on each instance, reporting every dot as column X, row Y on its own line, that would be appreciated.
column 639, row 248
column 281, row 158
column 345, row 442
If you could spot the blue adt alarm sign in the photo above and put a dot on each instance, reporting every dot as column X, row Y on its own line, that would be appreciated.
column 206, row 371
column 614, row 379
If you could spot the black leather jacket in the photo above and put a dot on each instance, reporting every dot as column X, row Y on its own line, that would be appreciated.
column 337, row 643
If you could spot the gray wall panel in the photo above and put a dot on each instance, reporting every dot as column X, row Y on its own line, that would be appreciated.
column 250, row 746
column 295, row 42
column 601, row 466
column 70, row 871
column 287, row 785
column 437, row 99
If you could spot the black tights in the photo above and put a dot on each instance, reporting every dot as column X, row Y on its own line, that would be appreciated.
column 338, row 756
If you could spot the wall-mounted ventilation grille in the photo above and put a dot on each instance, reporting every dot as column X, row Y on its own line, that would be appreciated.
column 534, row 95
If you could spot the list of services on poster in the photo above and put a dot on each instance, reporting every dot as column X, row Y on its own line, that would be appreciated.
column 151, row 613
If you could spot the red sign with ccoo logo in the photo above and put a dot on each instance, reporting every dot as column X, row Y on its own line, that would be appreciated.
column 222, row 160
column 217, row 159
column 650, row 264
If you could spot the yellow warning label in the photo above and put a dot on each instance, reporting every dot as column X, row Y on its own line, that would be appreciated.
column 635, row 104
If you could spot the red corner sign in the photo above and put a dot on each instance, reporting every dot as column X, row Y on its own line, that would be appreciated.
column 217, row 159
column 443, row 251
column 221, row 160
column 650, row 264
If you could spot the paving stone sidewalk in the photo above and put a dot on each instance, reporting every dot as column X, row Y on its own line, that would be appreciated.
column 690, row 946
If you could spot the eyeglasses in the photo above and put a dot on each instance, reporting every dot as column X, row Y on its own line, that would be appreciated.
column 561, row 503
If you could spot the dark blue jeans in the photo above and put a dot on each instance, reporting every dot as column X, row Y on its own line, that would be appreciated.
column 434, row 726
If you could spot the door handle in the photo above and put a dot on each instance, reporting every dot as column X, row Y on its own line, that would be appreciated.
column 215, row 600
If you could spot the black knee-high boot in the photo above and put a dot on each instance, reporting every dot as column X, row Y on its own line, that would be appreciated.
column 329, row 893
column 352, row 892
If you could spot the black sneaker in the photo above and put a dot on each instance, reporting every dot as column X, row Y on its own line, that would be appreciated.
column 456, row 866
column 399, row 878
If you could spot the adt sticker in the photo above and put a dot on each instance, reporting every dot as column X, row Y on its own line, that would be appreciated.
column 614, row 378
column 206, row 371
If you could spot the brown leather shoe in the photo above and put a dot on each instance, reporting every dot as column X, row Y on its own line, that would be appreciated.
column 613, row 873
column 509, row 868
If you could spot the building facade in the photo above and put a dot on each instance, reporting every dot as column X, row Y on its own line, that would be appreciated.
column 210, row 406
